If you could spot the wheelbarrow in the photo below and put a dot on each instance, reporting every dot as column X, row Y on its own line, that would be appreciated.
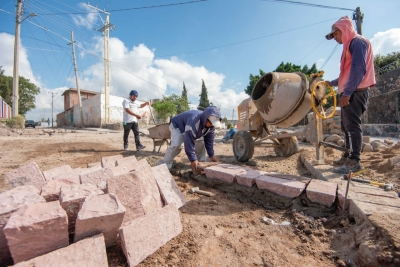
column 160, row 135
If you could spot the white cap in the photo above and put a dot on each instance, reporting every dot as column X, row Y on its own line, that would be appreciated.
column 215, row 121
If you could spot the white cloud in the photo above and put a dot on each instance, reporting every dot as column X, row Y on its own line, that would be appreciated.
column 131, row 68
column 87, row 21
column 386, row 42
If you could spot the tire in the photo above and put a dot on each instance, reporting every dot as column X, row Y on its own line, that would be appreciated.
column 288, row 146
column 243, row 146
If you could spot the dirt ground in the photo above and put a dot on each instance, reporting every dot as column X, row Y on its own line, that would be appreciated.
column 217, row 230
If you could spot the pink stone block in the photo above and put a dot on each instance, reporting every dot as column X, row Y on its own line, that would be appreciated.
column 28, row 174
column 281, row 187
column 100, row 214
column 126, row 161
column 35, row 230
column 169, row 190
column 125, row 167
column 51, row 190
column 248, row 178
column 127, row 188
column 72, row 197
column 225, row 172
column 94, row 164
column 72, row 176
column 321, row 192
column 49, row 174
column 145, row 235
column 88, row 252
column 110, row 161
column 98, row 178
column 150, row 195
column 10, row 201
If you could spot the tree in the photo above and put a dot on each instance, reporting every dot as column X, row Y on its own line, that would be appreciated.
column 27, row 92
column 203, row 97
column 170, row 106
column 283, row 67
column 391, row 58
column 185, row 102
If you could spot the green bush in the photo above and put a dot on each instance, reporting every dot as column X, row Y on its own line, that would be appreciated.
column 16, row 122
column 164, row 109
column 229, row 125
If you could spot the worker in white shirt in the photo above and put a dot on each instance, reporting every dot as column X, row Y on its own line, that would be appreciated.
column 130, row 119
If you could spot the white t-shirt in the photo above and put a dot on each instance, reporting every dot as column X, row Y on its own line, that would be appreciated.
column 133, row 106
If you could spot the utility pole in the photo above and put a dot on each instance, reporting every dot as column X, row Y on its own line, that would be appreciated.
column 76, row 79
column 233, row 112
column 106, row 34
column 358, row 17
column 52, row 101
column 15, row 89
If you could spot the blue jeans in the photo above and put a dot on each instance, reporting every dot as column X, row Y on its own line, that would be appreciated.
column 351, row 123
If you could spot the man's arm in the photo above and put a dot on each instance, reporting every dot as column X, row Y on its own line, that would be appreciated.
column 144, row 104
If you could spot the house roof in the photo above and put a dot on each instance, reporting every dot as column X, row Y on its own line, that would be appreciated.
column 82, row 91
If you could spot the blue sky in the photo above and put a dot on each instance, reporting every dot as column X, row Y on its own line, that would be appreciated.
column 153, row 50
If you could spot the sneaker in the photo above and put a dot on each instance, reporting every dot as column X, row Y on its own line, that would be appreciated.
column 140, row 147
column 350, row 165
column 125, row 147
column 340, row 161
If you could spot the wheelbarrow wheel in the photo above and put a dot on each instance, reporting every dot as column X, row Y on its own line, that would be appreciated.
column 288, row 146
column 243, row 146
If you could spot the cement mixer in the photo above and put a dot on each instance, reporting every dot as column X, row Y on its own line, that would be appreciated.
column 278, row 100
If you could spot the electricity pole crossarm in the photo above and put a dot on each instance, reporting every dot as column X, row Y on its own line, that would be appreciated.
column 77, row 81
column 106, row 33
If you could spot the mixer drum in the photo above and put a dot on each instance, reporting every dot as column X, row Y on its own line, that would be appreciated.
column 282, row 98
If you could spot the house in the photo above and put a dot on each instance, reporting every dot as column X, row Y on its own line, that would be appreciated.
column 71, row 97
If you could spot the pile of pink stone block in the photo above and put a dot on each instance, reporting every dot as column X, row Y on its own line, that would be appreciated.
column 67, row 217
column 289, row 186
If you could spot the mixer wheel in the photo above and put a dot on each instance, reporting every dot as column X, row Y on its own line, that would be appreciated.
column 288, row 146
column 243, row 146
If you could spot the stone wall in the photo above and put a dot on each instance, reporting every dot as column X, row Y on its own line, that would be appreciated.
column 384, row 101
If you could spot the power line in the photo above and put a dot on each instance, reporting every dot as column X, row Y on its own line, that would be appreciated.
column 333, row 51
column 307, row 4
column 123, row 9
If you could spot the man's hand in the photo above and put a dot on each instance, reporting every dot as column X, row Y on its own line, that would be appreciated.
column 214, row 159
column 194, row 165
column 138, row 116
column 344, row 101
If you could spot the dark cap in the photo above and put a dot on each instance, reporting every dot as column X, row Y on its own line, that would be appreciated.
column 329, row 36
column 134, row 92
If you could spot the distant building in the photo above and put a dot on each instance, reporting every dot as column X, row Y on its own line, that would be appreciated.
column 5, row 109
column 93, row 109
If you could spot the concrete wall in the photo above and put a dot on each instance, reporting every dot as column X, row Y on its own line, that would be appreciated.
column 384, row 100
column 71, row 98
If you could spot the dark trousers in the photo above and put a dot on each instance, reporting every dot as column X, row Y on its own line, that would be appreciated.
column 135, row 128
column 351, row 123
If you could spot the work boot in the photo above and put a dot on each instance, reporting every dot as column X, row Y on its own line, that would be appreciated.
column 352, row 165
column 340, row 162
column 140, row 147
column 125, row 147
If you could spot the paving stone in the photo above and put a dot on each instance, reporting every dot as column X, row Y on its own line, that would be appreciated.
column 126, row 161
column 126, row 167
column 51, row 190
column 225, row 172
column 145, row 235
column 98, row 178
column 169, row 190
column 281, row 187
column 127, row 188
column 100, row 214
column 150, row 194
column 35, row 230
column 110, row 161
column 49, row 174
column 322, row 192
column 291, row 177
column 28, row 174
column 88, row 252
column 248, row 178
column 10, row 201
column 72, row 176
column 72, row 197
column 90, row 165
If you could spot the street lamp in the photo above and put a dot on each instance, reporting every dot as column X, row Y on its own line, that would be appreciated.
column 15, row 96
